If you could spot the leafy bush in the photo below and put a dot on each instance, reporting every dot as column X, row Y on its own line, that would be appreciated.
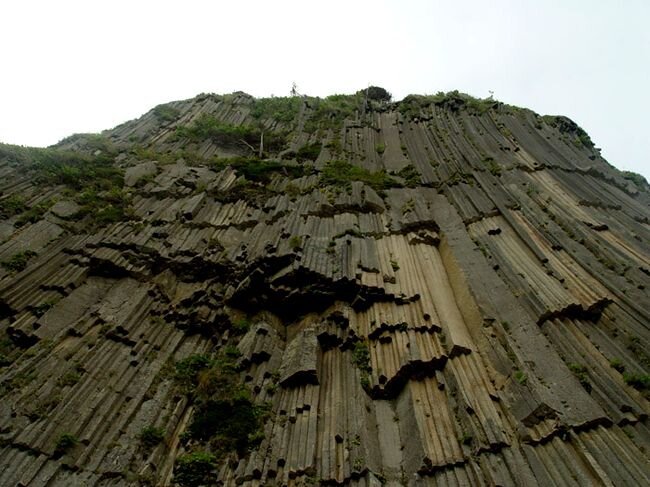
column 194, row 469
column 638, row 381
column 361, row 356
column 70, row 378
column 282, row 109
column 309, row 152
column 413, row 105
column 94, row 176
column 76, row 170
column 295, row 242
column 150, row 436
column 240, row 327
column 617, row 365
column 341, row 173
column 34, row 214
column 378, row 93
column 492, row 166
column 636, row 178
column 208, row 127
column 13, row 205
column 166, row 113
column 105, row 207
column 224, row 412
column 18, row 261
column 410, row 175
column 329, row 113
column 567, row 126
column 521, row 377
column 64, row 444
column 258, row 170
column 188, row 369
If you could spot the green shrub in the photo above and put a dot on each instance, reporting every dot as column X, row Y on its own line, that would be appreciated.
column 94, row 177
column 34, row 214
column 520, row 377
column 13, row 205
column 330, row 112
column 240, row 327
column 194, row 469
column 492, row 166
column 224, row 412
column 207, row 127
column 295, row 242
column 638, row 381
column 258, row 170
column 636, row 178
column 150, row 436
column 44, row 307
column 166, row 113
column 70, row 378
column 361, row 356
column 414, row 105
column 377, row 93
column 341, row 173
column 281, row 109
column 188, row 369
column 309, row 152
column 18, row 261
column 570, row 128
column 64, row 444
column 105, row 207
column 617, row 365
column 410, row 175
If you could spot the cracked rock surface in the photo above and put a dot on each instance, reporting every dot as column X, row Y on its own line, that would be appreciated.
column 437, row 291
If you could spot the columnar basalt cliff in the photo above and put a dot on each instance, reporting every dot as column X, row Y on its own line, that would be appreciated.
column 339, row 291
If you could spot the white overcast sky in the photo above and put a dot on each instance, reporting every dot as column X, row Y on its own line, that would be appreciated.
column 84, row 66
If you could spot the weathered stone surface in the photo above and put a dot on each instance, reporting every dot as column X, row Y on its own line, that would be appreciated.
column 464, row 304
column 65, row 209
column 299, row 362
column 134, row 174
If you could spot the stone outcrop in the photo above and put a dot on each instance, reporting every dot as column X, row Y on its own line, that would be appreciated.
column 440, row 291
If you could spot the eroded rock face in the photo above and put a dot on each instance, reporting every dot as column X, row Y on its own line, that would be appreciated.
column 475, row 314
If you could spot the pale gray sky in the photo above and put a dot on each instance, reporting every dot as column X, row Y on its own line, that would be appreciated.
column 84, row 66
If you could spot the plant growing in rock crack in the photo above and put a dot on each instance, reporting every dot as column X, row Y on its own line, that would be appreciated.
column 361, row 358
column 617, row 365
column 641, row 382
column 580, row 371
column 294, row 242
column 520, row 377
column 241, row 326
column 196, row 468
column 359, row 464
column 150, row 436
column 70, row 378
column 466, row 439
column 64, row 444
column 18, row 261
column 42, row 308
column 225, row 418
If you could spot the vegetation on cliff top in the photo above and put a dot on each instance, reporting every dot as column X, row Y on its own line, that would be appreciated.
column 92, row 179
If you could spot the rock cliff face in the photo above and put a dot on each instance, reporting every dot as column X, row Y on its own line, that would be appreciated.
column 340, row 291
